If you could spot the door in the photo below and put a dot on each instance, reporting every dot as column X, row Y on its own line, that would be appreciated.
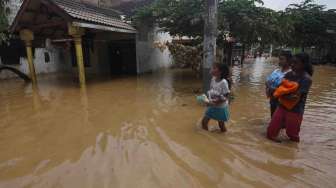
column 123, row 57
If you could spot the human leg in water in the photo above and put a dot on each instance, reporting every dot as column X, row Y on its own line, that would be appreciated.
column 205, row 122
column 293, row 123
column 276, row 124
column 222, row 126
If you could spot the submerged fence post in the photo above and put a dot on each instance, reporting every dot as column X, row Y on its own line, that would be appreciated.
column 210, row 37
column 28, row 36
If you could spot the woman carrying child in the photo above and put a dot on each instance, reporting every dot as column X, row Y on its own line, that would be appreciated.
column 218, row 96
column 291, row 117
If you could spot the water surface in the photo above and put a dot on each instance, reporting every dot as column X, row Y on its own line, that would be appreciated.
column 143, row 132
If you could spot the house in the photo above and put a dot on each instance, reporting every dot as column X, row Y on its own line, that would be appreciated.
column 83, row 38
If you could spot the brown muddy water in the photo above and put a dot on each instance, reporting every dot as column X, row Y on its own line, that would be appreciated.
column 143, row 132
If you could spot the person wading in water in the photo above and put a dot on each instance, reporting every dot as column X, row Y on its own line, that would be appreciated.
column 289, row 113
column 218, row 96
column 274, row 80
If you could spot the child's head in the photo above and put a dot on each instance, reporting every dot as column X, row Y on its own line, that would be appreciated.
column 220, row 71
column 301, row 63
column 285, row 58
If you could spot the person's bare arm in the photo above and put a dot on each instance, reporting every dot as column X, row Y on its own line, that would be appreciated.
column 217, row 101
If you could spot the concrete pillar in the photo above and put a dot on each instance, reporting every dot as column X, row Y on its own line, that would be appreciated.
column 28, row 36
column 77, row 33
column 210, row 37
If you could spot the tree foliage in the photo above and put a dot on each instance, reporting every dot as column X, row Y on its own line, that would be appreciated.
column 178, row 17
column 4, row 11
column 242, row 19
column 310, row 24
column 303, row 24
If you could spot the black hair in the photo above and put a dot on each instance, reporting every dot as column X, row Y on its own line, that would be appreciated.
column 225, row 72
column 305, row 60
column 287, row 54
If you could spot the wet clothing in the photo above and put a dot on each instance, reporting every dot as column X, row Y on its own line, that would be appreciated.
column 291, row 119
column 287, row 88
column 305, row 83
column 272, row 82
column 219, row 90
column 283, row 118
column 218, row 113
column 274, row 103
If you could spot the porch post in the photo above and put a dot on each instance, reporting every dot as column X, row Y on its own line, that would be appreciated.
column 77, row 33
column 28, row 36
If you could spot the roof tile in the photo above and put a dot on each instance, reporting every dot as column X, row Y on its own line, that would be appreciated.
column 94, row 14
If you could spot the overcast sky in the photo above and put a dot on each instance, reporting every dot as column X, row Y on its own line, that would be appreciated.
column 282, row 4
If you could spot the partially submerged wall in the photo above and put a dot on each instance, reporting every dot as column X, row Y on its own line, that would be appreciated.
column 57, row 63
column 57, row 59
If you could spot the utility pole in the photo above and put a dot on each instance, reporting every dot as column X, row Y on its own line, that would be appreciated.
column 210, row 37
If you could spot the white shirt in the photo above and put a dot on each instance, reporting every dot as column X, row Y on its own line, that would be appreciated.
column 219, row 89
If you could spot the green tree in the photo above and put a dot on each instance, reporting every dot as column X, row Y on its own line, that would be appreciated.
column 301, row 25
column 179, row 18
column 329, row 41
column 309, row 24
column 247, row 22
column 241, row 19
column 4, row 11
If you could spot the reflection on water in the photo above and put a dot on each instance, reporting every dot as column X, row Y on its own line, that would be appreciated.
column 142, row 132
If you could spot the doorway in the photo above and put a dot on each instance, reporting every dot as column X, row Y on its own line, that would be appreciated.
column 122, row 57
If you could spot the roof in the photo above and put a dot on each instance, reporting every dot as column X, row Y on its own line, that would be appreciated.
column 82, row 11
column 76, row 12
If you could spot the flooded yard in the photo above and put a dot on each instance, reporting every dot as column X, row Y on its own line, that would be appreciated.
column 143, row 132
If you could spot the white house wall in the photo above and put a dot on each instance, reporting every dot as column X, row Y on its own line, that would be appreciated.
column 57, row 63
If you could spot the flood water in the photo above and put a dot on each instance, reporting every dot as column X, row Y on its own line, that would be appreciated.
column 143, row 132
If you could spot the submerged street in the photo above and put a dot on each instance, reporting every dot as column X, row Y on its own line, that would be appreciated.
column 144, row 132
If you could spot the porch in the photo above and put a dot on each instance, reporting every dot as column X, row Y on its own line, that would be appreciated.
column 87, row 34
